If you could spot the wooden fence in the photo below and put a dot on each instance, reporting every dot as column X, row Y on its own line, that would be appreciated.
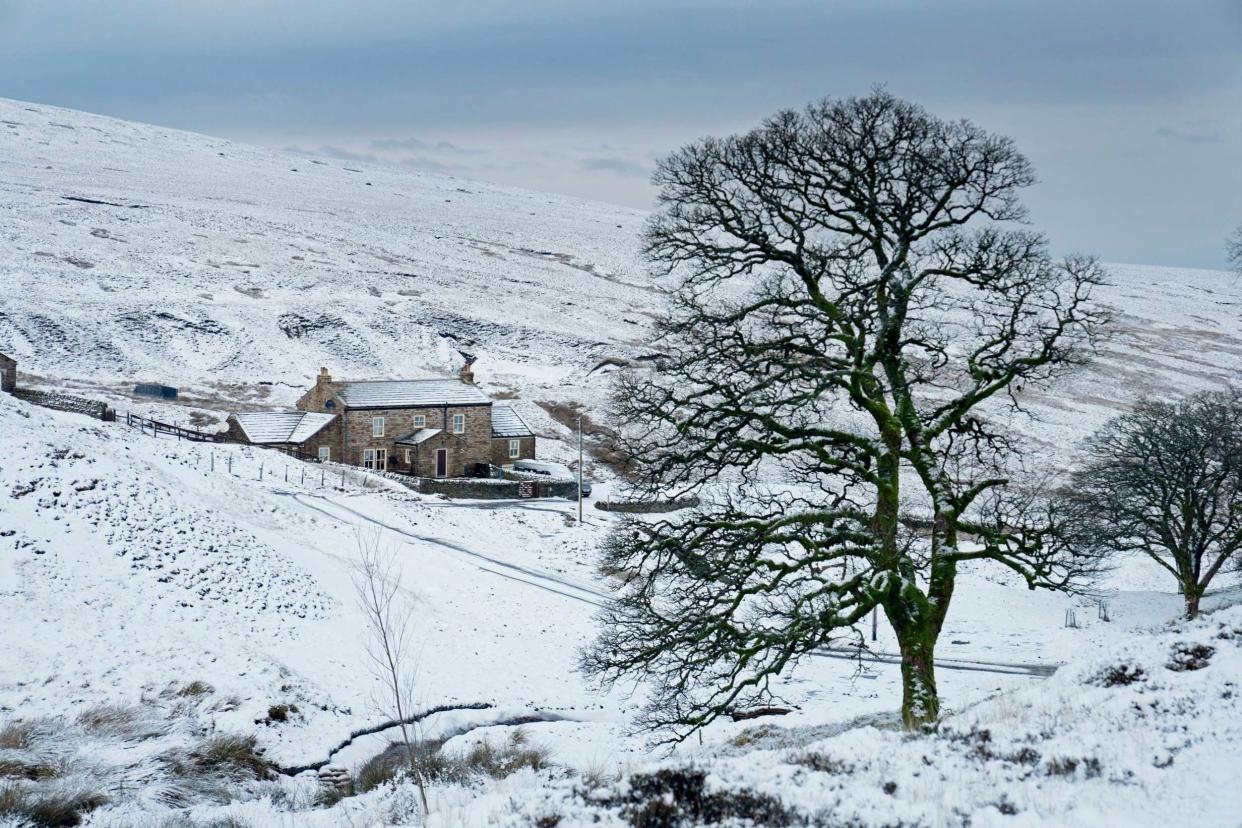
column 155, row 428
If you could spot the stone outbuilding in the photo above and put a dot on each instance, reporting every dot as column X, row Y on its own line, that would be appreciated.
column 302, row 433
column 8, row 373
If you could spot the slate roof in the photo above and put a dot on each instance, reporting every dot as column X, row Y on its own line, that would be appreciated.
column 508, row 423
column 410, row 393
column 416, row 437
column 275, row 427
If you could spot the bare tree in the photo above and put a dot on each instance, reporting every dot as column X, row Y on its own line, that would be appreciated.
column 1166, row 480
column 390, row 623
column 853, row 290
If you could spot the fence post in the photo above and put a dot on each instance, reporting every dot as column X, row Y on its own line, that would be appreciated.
column 230, row 464
column 286, row 474
column 260, row 470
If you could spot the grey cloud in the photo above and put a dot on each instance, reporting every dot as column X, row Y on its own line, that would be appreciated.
column 1190, row 135
column 617, row 166
column 445, row 147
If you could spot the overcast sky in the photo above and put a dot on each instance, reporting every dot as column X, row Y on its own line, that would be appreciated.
column 1131, row 110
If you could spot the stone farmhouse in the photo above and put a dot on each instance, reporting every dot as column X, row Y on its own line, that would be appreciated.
column 428, row 428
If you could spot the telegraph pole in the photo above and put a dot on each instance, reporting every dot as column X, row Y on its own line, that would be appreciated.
column 579, row 469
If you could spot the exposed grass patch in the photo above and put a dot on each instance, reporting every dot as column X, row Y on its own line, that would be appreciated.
column 182, row 821
column 601, row 442
column 229, row 756
column 52, row 806
column 16, row 735
column 32, row 769
column 122, row 722
column 824, row 764
column 195, row 688
column 481, row 760
column 280, row 713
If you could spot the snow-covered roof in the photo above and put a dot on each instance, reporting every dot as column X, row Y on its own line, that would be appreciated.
column 410, row 393
column 508, row 423
column 416, row 437
column 273, row 427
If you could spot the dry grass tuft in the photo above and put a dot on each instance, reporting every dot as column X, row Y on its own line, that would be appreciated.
column 48, row 805
column 481, row 760
column 196, row 688
column 16, row 735
column 228, row 756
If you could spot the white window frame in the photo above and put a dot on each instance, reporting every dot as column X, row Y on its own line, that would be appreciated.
column 459, row 423
column 381, row 459
column 368, row 458
column 515, row 449
column 325, row 454
column 409, row 455
column 420, row 420
column 377, row 426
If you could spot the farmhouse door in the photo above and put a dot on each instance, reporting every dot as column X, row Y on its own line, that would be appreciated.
column 441, row 462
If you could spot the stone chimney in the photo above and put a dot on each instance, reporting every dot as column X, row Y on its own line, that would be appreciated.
column 467, row 373
column 323, row 379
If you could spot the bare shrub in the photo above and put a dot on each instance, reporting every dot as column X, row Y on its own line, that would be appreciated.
column 184, row 821
column 825, row 764
column 196, row 688
column 390, row 621
column 679, row 796
column 1122, row 675
column 1068, row 766
column 1186, row 657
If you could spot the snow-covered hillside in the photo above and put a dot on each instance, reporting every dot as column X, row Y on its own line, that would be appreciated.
column 136, row 253
column 156, row 595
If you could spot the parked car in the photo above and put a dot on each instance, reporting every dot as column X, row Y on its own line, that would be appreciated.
column 558, row 471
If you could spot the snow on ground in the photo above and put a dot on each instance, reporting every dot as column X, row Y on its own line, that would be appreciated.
column 134, row 566
column 1145, row 731
column 190, row 596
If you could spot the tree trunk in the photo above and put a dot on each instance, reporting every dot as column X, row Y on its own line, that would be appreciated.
column 916, row 638
column 1193, row 594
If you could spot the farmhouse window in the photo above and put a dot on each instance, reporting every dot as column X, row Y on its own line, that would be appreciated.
column 408, row 455
column 377, row 426
column 325, row 454
column 420, row 420
column 459, row 423
column 515, row 449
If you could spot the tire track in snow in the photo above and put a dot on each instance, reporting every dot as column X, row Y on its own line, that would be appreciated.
column 544, row 580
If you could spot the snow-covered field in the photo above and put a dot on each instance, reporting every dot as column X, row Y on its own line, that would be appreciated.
column 154, row 594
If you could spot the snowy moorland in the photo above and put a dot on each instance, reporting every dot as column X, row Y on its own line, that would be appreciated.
column 181, row 642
